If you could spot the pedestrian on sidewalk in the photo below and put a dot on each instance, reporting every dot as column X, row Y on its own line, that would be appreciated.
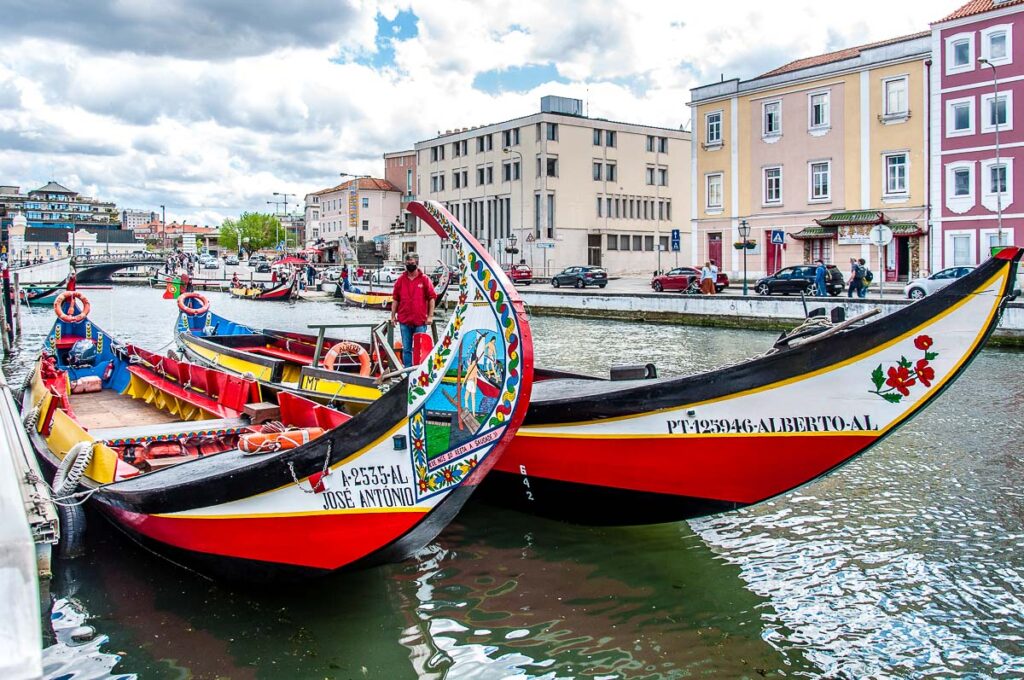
column 344, row 278
column 819, row 279
column 853, row 286
column 707, row 281
column 863, row 290
column 412, row 304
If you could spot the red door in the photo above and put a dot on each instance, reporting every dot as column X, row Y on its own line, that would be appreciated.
column 715, row 248
column 773, row 254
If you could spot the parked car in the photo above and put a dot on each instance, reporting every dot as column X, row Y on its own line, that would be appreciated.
column 256, row 259
column 520, row 273
column 211, row 264
column 262, row 266
column 389, row 273
column 800, row 279
column 686, row 278
column 581, row 277
column 231, row 260
column 918, row 288
column 435, row 276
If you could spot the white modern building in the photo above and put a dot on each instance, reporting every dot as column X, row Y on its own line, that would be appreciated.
column 312, row 215
column 557, row 188
column 132, row 219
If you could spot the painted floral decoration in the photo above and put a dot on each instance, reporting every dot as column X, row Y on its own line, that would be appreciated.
column 894, row 383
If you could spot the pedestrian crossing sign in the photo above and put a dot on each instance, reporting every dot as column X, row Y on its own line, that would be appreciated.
column 778, row 237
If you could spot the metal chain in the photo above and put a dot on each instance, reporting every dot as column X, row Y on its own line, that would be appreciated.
column 323, row 470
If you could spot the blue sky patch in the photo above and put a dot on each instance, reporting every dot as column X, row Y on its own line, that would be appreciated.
column 517, row 78
column 404, row 26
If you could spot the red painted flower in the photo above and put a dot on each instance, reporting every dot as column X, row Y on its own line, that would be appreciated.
column 900, row 380
column 448, row 477
column 424, row 379
column 925, row 373
column 423, row 485
column 923, row 342
column 447, row 342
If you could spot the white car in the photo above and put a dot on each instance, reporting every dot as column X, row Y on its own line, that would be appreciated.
column 387, row 274
column 918, row 288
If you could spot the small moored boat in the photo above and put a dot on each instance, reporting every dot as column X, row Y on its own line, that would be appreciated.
column 289, row 290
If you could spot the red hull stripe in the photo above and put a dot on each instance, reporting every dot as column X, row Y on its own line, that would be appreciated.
column 733, row 469
column 328, row 541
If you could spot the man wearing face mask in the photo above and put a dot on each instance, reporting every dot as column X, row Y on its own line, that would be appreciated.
column 412, row 304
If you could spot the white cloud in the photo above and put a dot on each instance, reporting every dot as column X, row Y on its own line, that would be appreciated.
column 210, row 130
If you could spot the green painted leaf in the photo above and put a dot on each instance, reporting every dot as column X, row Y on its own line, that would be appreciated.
column 877, row 377
column 893, row 398
column 904, row 363
column 930, row 356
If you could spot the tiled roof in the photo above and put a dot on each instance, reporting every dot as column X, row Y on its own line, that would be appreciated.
column 906, row 228
column 854, row 217
column 367, row 183
column 977, row 7
column 840, row 55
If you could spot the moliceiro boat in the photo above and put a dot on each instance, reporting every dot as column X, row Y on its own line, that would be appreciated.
column 648, row 450
column 289, row 290
column 178, row 456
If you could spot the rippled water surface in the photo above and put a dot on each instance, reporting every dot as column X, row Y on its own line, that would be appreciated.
column 908, row 562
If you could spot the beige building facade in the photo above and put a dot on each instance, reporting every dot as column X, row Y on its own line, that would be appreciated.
column 360, row 209
column 556, row 189
column 820, row 149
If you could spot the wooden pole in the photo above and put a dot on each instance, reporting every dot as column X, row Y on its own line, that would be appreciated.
column 17, row 304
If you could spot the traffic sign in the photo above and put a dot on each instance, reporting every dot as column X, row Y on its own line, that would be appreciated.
column 530, row 238
column 778, row 237
column 881, row 235
column 545, row 244
column 675, row 240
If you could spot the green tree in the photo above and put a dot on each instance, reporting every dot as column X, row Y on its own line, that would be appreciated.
column 250, row 232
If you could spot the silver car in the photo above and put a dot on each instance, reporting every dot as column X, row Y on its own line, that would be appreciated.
column 918, row 288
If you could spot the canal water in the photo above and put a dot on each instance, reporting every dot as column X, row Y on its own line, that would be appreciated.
column 908, row 562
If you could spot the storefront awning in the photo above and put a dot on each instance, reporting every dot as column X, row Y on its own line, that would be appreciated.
column 854, row 218
column 815, row 232
column 907, row 229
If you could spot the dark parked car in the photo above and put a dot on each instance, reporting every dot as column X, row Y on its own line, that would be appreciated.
column 520, row 273
column 686, row 278
column 800, row 279
column 263, row 267
column 435, row 276
column 581, row 277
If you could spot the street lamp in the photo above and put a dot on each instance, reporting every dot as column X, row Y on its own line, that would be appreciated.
column 285, row 196
column 522, row 226
column 1000, row 171
column 744, row 230
column 163, row 227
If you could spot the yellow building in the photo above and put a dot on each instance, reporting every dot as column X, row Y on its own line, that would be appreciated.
column 815, row 152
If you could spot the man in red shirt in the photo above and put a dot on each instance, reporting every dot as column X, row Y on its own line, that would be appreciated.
column 412, row 304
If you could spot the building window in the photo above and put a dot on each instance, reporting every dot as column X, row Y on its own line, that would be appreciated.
column 600, row 207
column 597, row 142
column 552, row 130
column 515, row 170
column 610, row 172
column 624, row 242
column 638, row 242
column 714, row 191
column 510, row 138
column 506, row 171
column 662, row 144
column 663, row 177
column 650, row 176
column 896, row 174
column 366, row 225
column 895, row 90
column 456, row 180
column 551, row 215
column 618, row 208
column 597, row 171
column 366, row 202
column 995, row 111
column 608, row 207
column 649, row 243
column 773, row 186
column 997, row 179
column 650, row 143
column 960, row 53
column 490, row 174
column 668, row 210
column 819, row 113
column 960, row 117
column 771, row 119
column 552, row 167
column 613, row 242
column 712, row 129
column 480, row 176
column 609, row 138
column 821, row 180
column 961, row 182
column 996, row 44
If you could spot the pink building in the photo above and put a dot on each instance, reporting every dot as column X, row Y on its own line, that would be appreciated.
column 972, row 180
column 400, row 170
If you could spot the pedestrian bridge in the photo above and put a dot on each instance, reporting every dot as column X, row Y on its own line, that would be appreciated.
column 90, row 268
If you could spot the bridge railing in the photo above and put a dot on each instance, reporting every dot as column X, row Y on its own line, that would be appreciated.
column 108, row 258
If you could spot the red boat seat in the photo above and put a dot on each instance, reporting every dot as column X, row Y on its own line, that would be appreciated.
column 179, row 392
column 278, row 353
column 66, row 341
column 301, row 412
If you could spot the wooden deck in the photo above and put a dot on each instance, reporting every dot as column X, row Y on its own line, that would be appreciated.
column 107, row 409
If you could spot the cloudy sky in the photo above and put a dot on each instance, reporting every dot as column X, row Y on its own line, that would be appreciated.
column 210, row 106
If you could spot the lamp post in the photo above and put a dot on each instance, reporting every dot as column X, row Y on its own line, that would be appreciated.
column 163, row 227
column 285, row 197
column 522, row 226
column 512, row 251
column 744, row 230
column 1000, row 171
column 277, row 208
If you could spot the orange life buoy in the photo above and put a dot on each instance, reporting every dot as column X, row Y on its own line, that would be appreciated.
column 75, row 297
column 203, row 307
column 267, row 442
column 351, row 348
